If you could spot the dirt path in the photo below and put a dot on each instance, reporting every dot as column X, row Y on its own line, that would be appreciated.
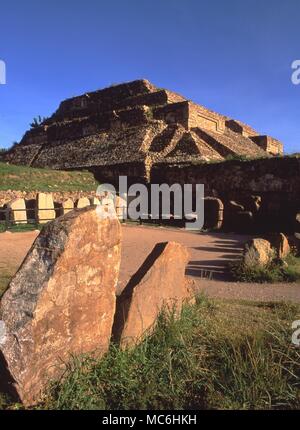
column 13, row 248
column 209, row 252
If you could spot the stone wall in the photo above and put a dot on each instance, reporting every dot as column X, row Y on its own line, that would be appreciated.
column 174, row 113
column 241, row 128
column 274, row 183
column 268, row 144
column 204, row 118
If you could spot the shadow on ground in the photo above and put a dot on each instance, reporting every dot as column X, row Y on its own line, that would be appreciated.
column 216, row 269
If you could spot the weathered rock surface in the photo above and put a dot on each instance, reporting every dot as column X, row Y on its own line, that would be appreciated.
column 258, row 252
column 62, row 299
column 160, row 282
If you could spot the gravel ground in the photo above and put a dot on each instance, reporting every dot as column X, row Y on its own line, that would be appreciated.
column 209, row 254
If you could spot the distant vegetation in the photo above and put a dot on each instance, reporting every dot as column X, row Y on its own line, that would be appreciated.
column 25, row 178
column 5, row 277
column 37, row 121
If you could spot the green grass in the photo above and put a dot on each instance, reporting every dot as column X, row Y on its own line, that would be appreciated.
column 25, row 178
column 273, row 272
column 218, row 355
column 20, row 228
column 5, row 277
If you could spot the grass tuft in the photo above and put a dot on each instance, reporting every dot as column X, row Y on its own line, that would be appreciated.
column 272, row 272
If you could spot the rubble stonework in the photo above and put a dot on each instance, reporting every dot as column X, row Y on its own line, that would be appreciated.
column 139, row 123
column 266, row 192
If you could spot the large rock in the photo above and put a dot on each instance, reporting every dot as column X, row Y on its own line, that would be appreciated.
column 62, row 299
column 160, row 282
column 258, row 252
column 44, row 208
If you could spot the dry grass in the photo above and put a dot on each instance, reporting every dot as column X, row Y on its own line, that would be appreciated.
column 219, row 355
column 31, row 179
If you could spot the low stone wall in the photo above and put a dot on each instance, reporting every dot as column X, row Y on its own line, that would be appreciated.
column 21, row 207
column 59, row 197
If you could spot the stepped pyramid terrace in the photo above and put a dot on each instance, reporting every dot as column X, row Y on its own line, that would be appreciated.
column 129, row 128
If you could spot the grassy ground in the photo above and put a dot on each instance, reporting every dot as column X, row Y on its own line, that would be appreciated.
column 5, row 277
column 219, row 355
column 19, row 228
column 30, row 179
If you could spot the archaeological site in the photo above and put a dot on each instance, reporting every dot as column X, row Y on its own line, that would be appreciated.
column 153, row 135
column 79, row 284
column 149, row 212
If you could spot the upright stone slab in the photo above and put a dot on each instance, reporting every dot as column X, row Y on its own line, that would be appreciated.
column 82, row 202
column 62, row 299
column 67, row 206
column 17, row 211
column 44, row 208
column 94, row 201
column 213, row 213
column 160, row 282
column 121, row 207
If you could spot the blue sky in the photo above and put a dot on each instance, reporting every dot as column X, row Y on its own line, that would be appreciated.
column 232, row 56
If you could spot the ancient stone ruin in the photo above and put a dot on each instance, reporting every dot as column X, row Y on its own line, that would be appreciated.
column 37, row 207
column 130, row 127
column 153, row 135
